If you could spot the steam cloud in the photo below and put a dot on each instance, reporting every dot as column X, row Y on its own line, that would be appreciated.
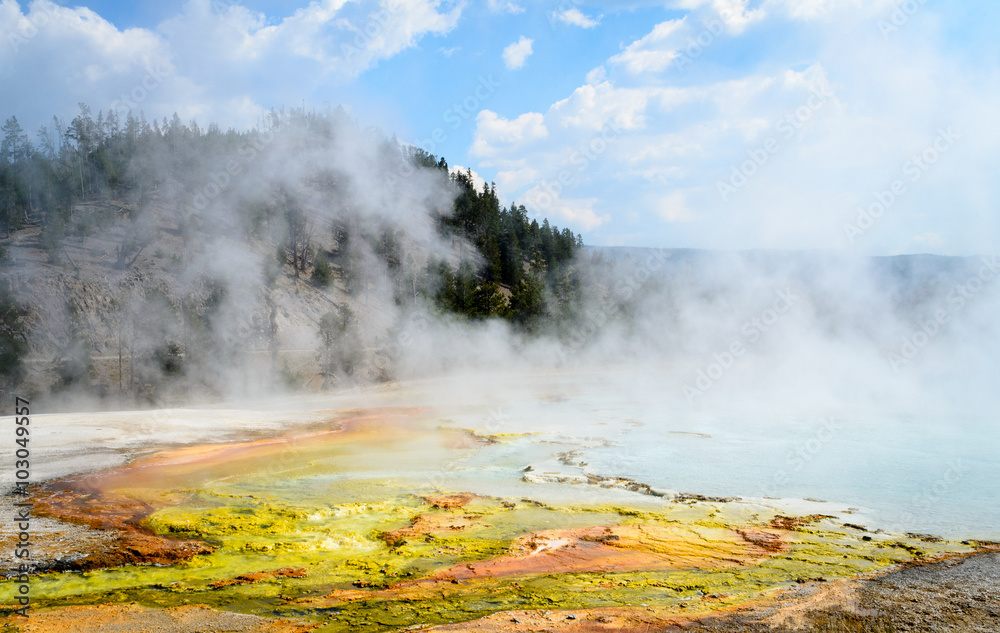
column 188, row 282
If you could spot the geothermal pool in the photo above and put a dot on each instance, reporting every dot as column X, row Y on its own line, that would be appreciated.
column 443, row 505
column 911, row 466
column 919, row 472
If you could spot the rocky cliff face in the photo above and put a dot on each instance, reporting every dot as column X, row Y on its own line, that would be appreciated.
column 176, row 317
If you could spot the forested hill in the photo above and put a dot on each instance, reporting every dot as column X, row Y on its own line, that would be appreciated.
column 213, row 226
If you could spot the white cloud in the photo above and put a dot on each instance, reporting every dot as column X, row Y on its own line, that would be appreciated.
column 517, row 179
column 201, row 63
column 477, row 181
column 78, row 56
column 821, row 9
column 837, row 135
column 733, row 13
column 597, row 75
column 594, row 106
column 340, row 39
column 494, row 132
column 673, row 208
column 654, row 52
column 575, row 17
column 499, row 6
column 517, row 53
column 737, row 15
column 579, row 213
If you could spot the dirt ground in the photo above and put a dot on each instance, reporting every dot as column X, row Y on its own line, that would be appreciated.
column 131, row 618
column 960, row 595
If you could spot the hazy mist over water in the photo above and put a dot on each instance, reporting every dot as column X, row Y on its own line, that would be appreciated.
column 829, row 374
column 821, row 374
column 862, row 381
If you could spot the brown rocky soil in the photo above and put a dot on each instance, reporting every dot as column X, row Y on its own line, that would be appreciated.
column 619, row 620
column 425, row 524
column 260, row 576
column 132, row 618
column 55, row 545
column 955, row 595
column 450, row 502
column 790, row 523
column 128, row 542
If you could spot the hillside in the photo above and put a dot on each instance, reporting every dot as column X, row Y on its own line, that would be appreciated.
column 159, row 263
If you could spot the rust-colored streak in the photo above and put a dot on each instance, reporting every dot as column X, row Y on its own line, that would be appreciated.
column 98, row 501
column 260, row 576
column 767, row 541
column 424, row 524
column 791, row 523
column 619, row 548
column 133, row 544
column 450, row 502
column 614, row 548
column 178, row 467
column 132, row 617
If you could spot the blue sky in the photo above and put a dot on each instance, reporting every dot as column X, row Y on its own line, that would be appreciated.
column 864, row 125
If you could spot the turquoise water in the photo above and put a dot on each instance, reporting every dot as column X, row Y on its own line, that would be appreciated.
column 927, row 472
column 911, row 474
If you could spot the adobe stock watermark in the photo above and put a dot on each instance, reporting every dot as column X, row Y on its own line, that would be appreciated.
column 455, row 115
column 497, row 419
column 751, row 331
column 801, row 455
column 155, row 75
column 912, row 171
column 413, row 327
column 594, row 321
column 712, row 29
column 956, row 299
column 39, row 17
column 21, row 532
column 373, row 29
column 221, row 6
column 900, row 15
column 581, row 157
column 219, row 181
column 461, row 111
column 785, row 129
column 560, row 9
